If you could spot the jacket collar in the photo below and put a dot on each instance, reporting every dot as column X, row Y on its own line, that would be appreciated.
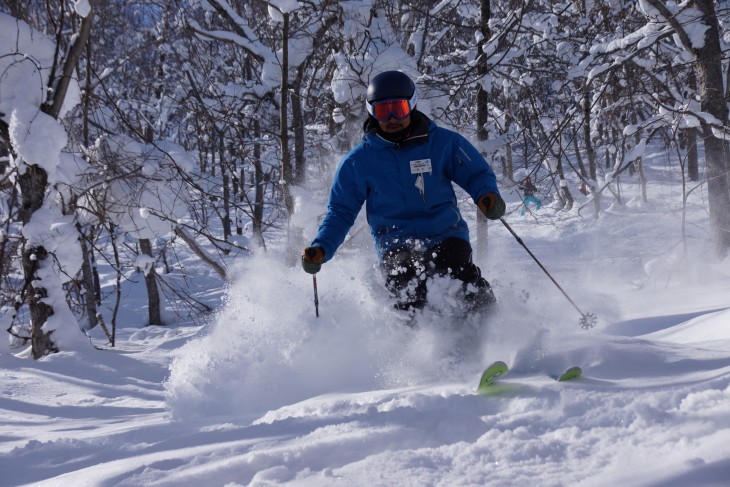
column 417, row 135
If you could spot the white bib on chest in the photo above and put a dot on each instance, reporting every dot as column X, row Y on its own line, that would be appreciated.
column 421, row 166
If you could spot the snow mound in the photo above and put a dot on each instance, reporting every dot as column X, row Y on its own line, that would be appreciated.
column 710, row 327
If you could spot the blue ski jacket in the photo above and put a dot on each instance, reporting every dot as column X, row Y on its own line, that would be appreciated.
column 407, row 188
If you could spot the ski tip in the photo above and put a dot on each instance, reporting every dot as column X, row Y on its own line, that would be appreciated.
column 570, row 374
column 491, row 374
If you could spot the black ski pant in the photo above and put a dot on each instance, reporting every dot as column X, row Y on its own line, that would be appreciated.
column 406, row 271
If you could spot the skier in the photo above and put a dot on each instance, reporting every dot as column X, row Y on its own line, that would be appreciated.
column 403, row 169
column 528, row 189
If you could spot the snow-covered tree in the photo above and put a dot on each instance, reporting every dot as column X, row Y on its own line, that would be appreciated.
column 39, row 88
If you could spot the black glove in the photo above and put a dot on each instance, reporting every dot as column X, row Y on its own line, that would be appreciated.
column 312, row 258
column 492, row 205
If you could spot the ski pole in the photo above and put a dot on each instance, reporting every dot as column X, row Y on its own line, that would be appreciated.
column 316, row 299
column 587, row 320
column 311, row 253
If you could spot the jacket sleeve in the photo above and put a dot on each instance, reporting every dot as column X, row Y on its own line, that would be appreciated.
column 471, row 171
column 346, row 197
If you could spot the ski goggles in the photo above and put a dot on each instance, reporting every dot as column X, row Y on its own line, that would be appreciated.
column 383, row 110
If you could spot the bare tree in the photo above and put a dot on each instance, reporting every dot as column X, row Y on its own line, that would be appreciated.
column 708, row 59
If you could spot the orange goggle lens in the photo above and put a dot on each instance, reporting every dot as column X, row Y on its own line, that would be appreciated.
column 383, row 110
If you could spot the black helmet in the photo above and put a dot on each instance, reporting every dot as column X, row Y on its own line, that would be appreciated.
column 391, row 85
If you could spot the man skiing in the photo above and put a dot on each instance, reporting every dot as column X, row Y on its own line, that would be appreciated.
column 403, row 170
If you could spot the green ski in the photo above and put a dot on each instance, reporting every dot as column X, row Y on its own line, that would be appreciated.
column 491, row 374
column 570, row 374
column 494, row 373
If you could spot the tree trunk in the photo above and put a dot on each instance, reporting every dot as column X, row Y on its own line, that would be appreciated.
column 578, row 158
column 150, row 278
column 259, row 189
column 563, row 191
column 33, row 184
column 690, row 136
column 638, row 164
column 509, row 167
column 87, row 277
column 298, row 129
column 709, row 60
column 117, row 282
column 286, row 166
column 295, row 236
column 226, row 187
column 41, row 341
column 590, row 152
column 693, row 158
column 482, row 119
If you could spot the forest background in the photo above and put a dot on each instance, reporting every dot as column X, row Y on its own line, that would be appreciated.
column 131, row 128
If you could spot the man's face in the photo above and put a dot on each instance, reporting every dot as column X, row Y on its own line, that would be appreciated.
column 393, row 125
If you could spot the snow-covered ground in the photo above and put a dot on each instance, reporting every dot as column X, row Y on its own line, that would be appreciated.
column 269, row 394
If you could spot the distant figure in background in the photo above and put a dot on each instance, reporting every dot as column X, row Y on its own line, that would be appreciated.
column 528, row 189
column 583, row 188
